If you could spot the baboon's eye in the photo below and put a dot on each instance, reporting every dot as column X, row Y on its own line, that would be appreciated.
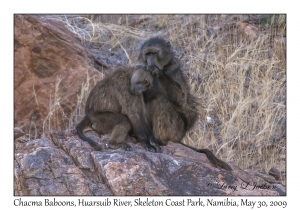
column 146, row 81
column 150, row 53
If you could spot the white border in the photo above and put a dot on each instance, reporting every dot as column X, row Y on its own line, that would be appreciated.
column 153, row 6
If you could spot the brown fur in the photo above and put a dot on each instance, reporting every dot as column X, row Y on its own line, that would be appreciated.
column 112, row 108
column 161, row 114
column 173, row 114
column 156, row 54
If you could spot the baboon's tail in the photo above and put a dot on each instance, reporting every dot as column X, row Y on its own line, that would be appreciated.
column 85, row 122
column 212, row 158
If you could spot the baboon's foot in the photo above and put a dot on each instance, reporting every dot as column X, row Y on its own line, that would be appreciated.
column 153, row 143
column 123, row 146
column 126, row 147
column 154, row 70
column 148, row 147
column 151, row 148
column 156, row 147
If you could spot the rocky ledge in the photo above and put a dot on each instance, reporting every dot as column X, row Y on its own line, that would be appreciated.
column 62, row 164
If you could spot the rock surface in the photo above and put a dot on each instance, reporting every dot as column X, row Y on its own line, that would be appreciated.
column 48, row 61
column 63, row 164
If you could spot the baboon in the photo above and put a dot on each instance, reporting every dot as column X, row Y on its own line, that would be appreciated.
column 159, row 59
column 174, row 113
column 111, row 108
column 157, row 55
column 163, row 116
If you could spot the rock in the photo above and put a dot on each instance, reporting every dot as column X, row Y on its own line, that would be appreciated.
column 62, row 164
column 267, row 177
column 276, row 173
column 250, row 31
column 50, row 65
column 41, row 168
column 18, row 133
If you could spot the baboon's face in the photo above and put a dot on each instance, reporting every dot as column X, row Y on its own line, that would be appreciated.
column 141, row 81
column 155, row 54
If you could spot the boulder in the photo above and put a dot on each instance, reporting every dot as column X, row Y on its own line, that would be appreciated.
column 50, row 67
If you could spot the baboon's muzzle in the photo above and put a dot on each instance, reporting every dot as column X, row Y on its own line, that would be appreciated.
column 135, row 91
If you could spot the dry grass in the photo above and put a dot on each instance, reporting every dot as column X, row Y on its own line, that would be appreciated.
column 57, row 118
column 240, row 80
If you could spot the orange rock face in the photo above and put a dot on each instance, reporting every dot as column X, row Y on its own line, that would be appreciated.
column 50, row 66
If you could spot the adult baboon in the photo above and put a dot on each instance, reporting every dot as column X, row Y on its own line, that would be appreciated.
column 163, row 116
column 156, row 54
column 111, row 108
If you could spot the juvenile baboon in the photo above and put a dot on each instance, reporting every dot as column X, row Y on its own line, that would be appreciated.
column 111, row 108
column 163, row 116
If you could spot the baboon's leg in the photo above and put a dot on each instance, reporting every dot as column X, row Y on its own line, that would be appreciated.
column 191, row 111
column 118, row 136
column 167, row 123
column 144, row 134
column 188, row 115
column 136, row 115
column 120, row 132
column 116, row 124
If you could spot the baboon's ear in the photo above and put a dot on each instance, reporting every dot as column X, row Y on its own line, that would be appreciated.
column 168, row 44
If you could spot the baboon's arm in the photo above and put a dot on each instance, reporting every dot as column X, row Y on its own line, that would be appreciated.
column 173, row 75
column 136, row 115
column 177, row 93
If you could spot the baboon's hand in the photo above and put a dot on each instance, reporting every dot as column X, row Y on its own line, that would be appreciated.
column 126, row 147
column 157, row 148
column 154, row 143
column 155, row 71
column 148, row 146
column 123, row 146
